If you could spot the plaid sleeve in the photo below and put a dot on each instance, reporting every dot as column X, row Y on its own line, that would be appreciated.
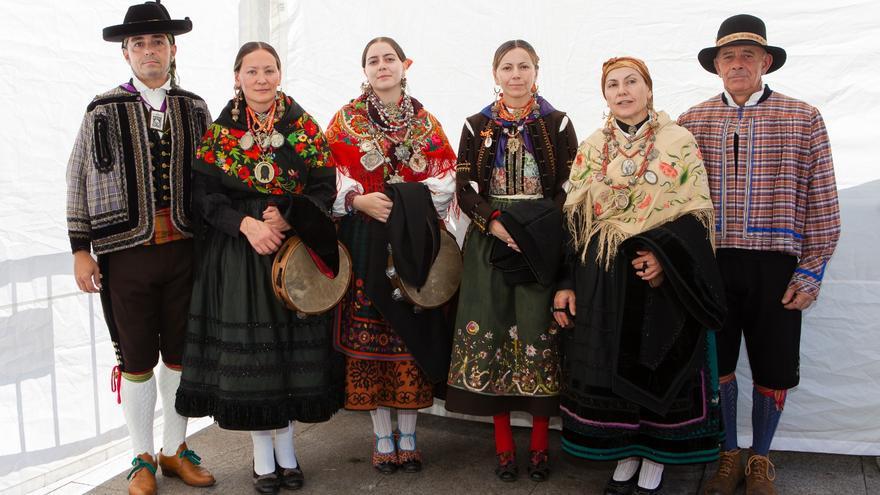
column 78, row 220
column 822, row 219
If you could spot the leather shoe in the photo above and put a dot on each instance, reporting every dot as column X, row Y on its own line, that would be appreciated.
column 184, row 464
column 625, row 487
column 410, row 460
column 290, row 478
column 646, row 491
column 507, row 469
column 385, row 462
column 267, row 484
column 730, row 474
column 539, row 466
column 142, row 477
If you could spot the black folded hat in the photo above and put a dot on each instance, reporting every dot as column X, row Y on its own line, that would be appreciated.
column 742, row 29
column 147, row 18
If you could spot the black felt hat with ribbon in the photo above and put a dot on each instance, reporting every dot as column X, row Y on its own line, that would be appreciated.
column 147, row 18
column 742, row 29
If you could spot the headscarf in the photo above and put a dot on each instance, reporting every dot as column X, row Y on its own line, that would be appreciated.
column 632, row 62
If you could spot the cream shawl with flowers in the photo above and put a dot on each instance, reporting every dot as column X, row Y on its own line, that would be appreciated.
column 593, row 207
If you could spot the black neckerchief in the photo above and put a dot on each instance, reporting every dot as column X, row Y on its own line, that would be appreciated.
column 626, row 127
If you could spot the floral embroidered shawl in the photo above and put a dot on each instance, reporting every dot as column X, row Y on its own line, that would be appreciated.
column 351, row 125
column 592, row 207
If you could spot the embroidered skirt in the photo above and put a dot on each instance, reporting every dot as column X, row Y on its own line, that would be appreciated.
column 249, row 362
column 505, row 353
column 380, row 371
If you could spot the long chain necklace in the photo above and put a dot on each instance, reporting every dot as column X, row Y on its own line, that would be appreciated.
column 628, row 168
column 391, row 121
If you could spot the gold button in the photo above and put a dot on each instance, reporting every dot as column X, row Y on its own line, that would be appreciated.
column 165, row 187
column 164, row 165
column 166, row 198
column 164, row 176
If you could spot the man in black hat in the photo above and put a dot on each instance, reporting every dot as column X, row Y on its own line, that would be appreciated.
column 777, row 224
column 128, row 201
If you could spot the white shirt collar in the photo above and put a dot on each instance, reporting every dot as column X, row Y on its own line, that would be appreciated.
column 154, row 97
column 752, row 101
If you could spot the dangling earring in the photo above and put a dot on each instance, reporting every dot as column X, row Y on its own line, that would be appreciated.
column 403, row 84
column 366, row 88
column 235, row 100
column 534, row 89
column 497, row 91
column 279, row 102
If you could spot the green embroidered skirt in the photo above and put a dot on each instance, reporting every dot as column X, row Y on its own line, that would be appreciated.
column 505, row 354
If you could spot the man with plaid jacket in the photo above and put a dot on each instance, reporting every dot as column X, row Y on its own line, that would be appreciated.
column 128, row 201
column 777, row 224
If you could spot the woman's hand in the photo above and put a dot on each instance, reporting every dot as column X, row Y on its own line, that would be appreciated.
column 498, row 230
column 273, row 218
column 648, row 268
column 86, row 272
column 376, row 205
column 263, row 238
column 562, row 302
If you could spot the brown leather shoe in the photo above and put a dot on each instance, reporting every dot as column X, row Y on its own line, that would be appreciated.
column 142, row 477
column 729, row 475
column 184, row 464
column 760, row 473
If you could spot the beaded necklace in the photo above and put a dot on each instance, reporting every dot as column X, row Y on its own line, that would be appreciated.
column 628, row 168
column 261, row 131
column 391, row 122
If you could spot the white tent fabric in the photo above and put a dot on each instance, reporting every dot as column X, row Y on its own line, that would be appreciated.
column 55, row 356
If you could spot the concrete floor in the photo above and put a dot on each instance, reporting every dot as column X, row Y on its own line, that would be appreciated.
column 459, row 459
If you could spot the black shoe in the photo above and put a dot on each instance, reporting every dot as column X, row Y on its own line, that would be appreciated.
column 266, row 483
column 539, row 467
column 385, row 463
column 290, row 478
column 507, row 470
column 621, row 487
column 644, row 491
column 410, row 460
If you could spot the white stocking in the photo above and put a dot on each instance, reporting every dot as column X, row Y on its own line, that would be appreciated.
column 139, row 407
column 174, row 429
column 285, row 453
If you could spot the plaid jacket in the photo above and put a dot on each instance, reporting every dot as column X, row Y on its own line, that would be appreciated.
column 780, row 193
column 109, row 184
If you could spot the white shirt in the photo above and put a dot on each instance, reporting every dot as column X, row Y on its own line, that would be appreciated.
column 752, row 101
column 154, row 97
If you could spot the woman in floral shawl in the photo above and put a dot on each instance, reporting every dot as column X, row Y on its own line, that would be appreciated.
column 505, row 358
column 263, row 171
column 380, row 140
column 641, row 293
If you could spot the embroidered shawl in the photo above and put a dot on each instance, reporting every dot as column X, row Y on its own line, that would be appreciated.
column 620, row 210
column 351, row 126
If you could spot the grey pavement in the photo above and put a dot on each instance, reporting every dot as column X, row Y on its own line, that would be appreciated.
column 459, row 459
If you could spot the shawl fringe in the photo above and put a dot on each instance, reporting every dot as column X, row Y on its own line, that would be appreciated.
column 582, row 228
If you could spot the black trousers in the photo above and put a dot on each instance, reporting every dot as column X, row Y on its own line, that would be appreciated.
column 150, row 289
column 754, row 283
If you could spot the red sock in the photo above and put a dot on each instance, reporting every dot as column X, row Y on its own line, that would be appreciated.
column 503, row 433
column 540, row 425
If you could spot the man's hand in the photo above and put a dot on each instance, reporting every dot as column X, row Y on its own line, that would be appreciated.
column 797, row 300
column 86, row 272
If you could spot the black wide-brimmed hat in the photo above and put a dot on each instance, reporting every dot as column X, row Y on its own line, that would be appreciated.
column 147, row 18
column 742, row 29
